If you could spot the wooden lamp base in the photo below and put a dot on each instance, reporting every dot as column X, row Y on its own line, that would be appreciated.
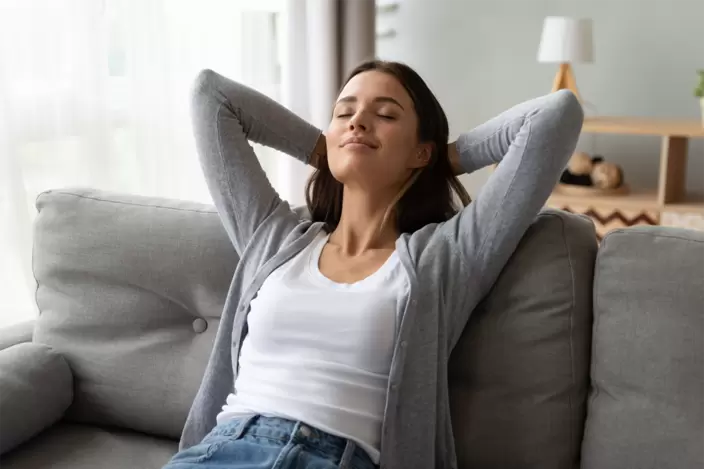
column 564, row 79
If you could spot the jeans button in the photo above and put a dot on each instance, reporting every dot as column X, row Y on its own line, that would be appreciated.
column 305, row 431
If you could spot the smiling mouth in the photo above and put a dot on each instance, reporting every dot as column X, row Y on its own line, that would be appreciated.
column 359, row 142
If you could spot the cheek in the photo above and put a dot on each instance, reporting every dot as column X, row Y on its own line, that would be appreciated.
column 396, row 136
column 398, row 144
column 333, row 135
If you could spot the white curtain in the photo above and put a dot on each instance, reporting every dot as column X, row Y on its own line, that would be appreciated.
column 94, row 93
column 325, row 39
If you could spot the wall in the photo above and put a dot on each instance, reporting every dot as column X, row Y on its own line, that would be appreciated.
column 479, row 56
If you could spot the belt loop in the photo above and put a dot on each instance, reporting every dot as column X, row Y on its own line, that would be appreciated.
column 294, row 433
column 243, row 424
column 347, row 454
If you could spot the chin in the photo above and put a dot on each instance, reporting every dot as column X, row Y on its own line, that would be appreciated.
column 351, row 173
column 347, row 175
column 358, row 168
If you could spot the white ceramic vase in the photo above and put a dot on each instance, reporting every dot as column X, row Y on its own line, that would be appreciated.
column 701, row 103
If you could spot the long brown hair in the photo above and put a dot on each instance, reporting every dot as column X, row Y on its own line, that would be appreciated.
column 428, row 195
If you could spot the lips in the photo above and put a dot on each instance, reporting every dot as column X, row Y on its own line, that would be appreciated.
column 360, row 141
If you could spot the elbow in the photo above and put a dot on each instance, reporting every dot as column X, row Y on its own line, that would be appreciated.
column 203, row 82
column 200, row 92
column 569, row 103
column 569, row 112
column 207, row 93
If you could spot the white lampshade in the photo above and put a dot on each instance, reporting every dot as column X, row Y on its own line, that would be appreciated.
column 566, row 40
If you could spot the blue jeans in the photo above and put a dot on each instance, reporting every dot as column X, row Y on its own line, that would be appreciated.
column 270, row 443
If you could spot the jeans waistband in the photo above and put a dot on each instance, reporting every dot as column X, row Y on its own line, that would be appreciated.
column 340, row 450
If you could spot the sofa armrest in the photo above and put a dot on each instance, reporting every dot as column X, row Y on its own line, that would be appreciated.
column 16, row 334
column 36, row 388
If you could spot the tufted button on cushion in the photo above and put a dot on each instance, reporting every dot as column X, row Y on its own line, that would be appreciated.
column 200, row 325
column 112, row 281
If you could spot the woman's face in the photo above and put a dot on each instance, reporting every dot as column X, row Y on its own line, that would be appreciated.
column 372, row 140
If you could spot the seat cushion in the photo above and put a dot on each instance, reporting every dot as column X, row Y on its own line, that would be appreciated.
column 78, row 446
column 646, row 409
column 130, row 292
column 16, row 334
column 520, row 373
column 36, row 388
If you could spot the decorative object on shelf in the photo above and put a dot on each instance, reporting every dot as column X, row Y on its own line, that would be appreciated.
column 699, row 92
column 566, row 41
column 580, row 164
column 607, row 175
column 667, row 204
column 591, row 176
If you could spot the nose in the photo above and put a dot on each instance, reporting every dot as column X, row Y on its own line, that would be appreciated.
column 358, row 122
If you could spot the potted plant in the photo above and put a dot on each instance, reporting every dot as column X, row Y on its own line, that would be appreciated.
column 699, row 92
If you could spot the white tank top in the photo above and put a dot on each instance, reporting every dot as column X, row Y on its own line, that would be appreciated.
column 320, row 351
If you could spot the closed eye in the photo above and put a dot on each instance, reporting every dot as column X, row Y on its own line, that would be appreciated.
column 383, row 116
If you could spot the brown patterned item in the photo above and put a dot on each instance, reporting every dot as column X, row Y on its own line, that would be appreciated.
column 608, row 219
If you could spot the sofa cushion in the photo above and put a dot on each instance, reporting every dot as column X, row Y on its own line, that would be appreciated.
column 130, row 292
column 78, row 446
column 36, row 388
column 646, row 409
column 519, row 375
column 16, row 334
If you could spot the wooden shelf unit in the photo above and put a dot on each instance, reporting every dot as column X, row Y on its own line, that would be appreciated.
column 643, row 126
column 643, row 206
column 636, row 199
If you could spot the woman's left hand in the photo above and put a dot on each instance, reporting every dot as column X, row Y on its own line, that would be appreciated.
column 454, row 157
column 319, row 152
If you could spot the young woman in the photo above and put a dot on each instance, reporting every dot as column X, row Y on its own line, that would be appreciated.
column 333, row 346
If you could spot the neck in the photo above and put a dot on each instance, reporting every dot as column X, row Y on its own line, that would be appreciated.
column 360, row 227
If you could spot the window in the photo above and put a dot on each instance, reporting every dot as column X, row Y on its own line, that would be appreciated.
column 95, row 94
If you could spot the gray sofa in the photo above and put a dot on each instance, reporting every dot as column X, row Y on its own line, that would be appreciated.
column 581, row 355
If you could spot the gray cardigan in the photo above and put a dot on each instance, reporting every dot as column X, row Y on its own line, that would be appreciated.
column 450, row 265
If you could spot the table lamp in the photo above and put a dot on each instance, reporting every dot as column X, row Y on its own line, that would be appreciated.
column 565, row 41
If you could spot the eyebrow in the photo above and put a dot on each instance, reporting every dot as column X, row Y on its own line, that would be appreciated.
column 380, row 99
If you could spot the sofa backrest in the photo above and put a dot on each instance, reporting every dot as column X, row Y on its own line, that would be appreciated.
column 646, row 407
column 519, row 376
column 130, row 291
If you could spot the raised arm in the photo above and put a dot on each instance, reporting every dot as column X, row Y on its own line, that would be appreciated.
column 225, row 116
column 531, row 144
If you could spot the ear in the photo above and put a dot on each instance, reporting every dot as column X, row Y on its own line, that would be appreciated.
column 422, row 156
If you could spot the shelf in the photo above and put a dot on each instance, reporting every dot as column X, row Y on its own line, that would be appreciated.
column 636, row 200
column 669, row 203
column 691, row 204
column 643, row 126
